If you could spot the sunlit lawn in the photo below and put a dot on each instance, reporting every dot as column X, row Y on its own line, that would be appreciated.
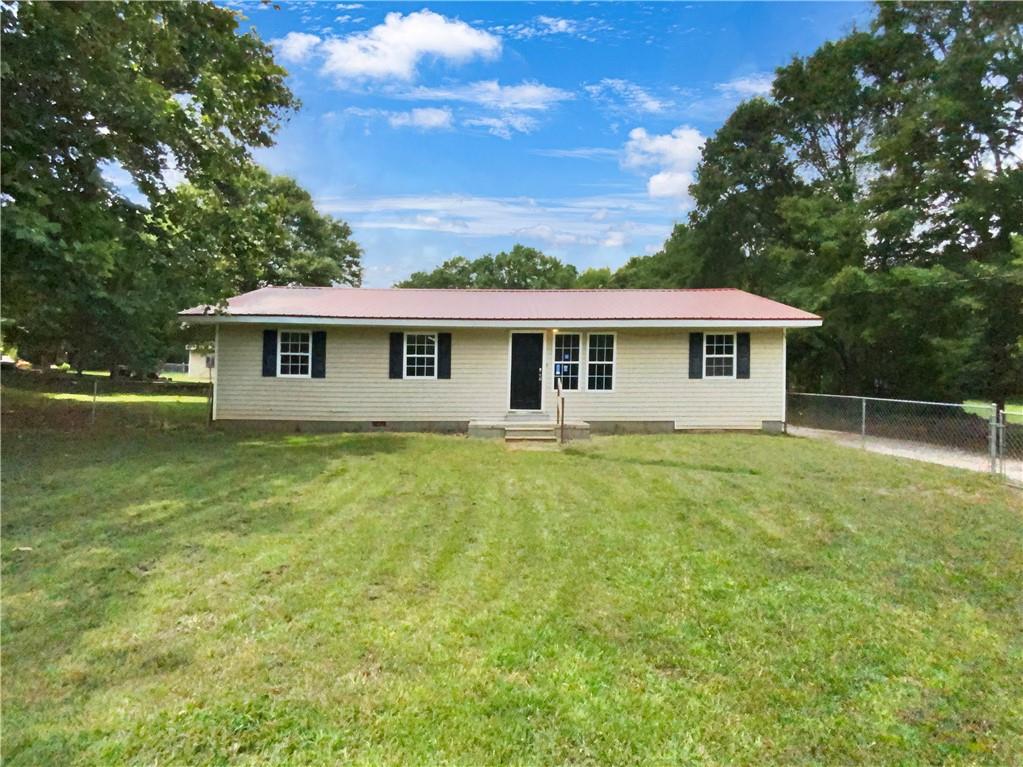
column 174, row 595
column 1013, row 409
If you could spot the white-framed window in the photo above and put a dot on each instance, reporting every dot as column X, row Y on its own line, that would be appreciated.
column 566, row 360
column 600, row 361
column 420, row 355
column 719, row 355
column 294, row 353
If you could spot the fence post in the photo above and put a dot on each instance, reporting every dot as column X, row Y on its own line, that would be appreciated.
column 863, row 423
column 992, row 438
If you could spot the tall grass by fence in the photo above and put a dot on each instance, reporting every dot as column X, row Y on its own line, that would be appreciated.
column 976, row 429
column 68, row 401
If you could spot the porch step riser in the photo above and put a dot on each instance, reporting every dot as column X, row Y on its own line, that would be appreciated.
column 535, row 432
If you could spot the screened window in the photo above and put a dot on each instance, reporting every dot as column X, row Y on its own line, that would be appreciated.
column 600, row 362
column 719, row 355
column 566, row 360
column 420, row 355
column 294, row 353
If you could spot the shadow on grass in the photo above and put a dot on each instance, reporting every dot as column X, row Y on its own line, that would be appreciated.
column 120, row 510
column 336, row 444
column 661, row 463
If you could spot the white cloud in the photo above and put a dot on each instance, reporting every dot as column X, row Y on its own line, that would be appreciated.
column 619, row 93
column 426, row 118
column 606, row 221
column 541, row 26
column 547, row 234
column 493, row 95
column 296, row 47
column 510, row 103
column 395, row 48
column 675, row 155
column 546, row 26
column 556, row 26
column 678, row 149
column 348, row 6
column 669, row 183
column 614, row 239
column 750, row 85
column 580, row 153
column 504, row 125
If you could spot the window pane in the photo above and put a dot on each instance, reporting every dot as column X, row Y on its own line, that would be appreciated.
column 719, row 349
column 420, row 355
column 600, row 353
column 566, row 360
column 719, row 366
column 295, row 352
column 601, row 347
column 720, row 344
column 599, row 376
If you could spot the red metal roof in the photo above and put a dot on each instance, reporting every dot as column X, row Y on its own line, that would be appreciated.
column 507, row 305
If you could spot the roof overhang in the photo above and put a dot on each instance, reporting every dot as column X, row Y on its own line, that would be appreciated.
column 415, row 322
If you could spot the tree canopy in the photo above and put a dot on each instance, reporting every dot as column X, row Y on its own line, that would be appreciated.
column 880, row 185
column 151, row 93
column 521, row 268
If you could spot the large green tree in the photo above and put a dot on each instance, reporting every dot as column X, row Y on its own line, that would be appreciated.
column 520, row 268
column 255, row 229
column 882, row 186
column 144, row 93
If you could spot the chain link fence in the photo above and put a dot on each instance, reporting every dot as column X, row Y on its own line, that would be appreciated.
column 970, row 435
column 1010, row 443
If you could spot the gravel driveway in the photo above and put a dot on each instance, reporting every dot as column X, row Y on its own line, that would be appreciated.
column 918, row 451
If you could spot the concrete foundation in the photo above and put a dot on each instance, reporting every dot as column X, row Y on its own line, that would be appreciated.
column 632, row 427
column 500, row 429
column 319, row 427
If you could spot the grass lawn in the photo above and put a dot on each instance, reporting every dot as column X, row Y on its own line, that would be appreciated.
column 174, row 595
column 1013, row 409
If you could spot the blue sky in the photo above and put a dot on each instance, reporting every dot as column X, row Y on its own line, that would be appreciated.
column 462, row 128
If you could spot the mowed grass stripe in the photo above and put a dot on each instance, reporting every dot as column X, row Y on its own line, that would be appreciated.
column 204, row 598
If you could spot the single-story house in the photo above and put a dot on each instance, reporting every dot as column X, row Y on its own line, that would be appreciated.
column 481, row 360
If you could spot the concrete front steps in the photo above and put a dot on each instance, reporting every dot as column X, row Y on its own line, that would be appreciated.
column 543, row 432
column 528, row 431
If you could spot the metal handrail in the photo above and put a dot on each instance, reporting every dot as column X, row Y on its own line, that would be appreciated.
column 560, row 409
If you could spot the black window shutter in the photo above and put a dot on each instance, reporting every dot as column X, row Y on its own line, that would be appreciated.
column 319, row 366
column 397, row 355
column 742, row 355
column 270, row 353
column 443, row 355
column 696, row 355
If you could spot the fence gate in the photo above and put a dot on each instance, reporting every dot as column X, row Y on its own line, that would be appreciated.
column 1010, row 444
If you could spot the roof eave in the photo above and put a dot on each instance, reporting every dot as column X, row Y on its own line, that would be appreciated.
column 408, row 322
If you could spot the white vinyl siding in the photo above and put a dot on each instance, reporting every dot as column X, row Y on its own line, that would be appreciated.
column 651, row 381
column 357, row 386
